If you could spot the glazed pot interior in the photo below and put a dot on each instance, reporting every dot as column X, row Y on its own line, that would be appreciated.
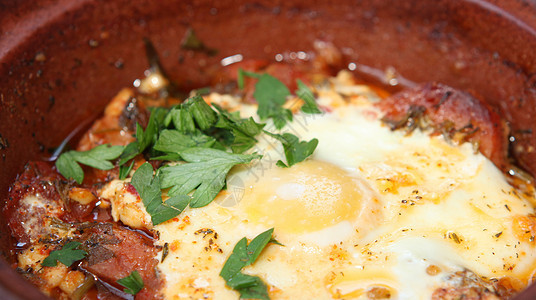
column 63, row 60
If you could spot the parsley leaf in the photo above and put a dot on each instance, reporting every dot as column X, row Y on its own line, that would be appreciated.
column 304, row 93
column 98, row 157
column 124, row 171
column 168, row 156
column 148, row 187
column 192, row 114
column 67, row 166
column 133, row 283
column 271, row 94
column 173, row 141
column 249, row 287
column 67, row 255
column 241, row 74
column 181, row 118
column 295, row 150
column 243, row 130
column 146, row 138
column 201, row 112
column 205, row 173
column 129, row 152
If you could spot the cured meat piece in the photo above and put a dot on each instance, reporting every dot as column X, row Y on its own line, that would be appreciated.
column 459, row 116
column 115, row 251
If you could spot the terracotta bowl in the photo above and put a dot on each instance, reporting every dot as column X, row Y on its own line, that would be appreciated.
column 62, row 60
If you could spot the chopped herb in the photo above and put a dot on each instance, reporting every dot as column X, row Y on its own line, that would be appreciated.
column 243, row 130
column 193, row 109
column 202, row 91
column 205, row 173
column 196, row 124
column 148, row 137
column 249, row 287
column 242, row 142
column 304, row 93
column 274, row 241
column 242, row 74
column 148, row 187
column 295, row 150
column 169, row 157
column 98, row 157
column 271, row 94
column 144, row 138
column 133, row 283
column 129, row 152
column 124, row 171
column 67, row 255
column 201, row 112
column 181, row 118
column 173, row 141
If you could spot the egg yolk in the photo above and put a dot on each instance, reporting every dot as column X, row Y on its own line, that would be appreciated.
column 307, row 197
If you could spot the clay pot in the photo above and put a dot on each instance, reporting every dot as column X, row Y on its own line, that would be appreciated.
column 62, row 60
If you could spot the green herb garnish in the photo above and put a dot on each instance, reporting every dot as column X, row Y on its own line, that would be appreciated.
column 204, row 172
column 244, row 131
column 197, row 124
column 304, row 93
column 295, row 150
column 98, row 158
column 173, row 141
column 199, row 136
column 67, row 255
column 144, row 138
column 181, row 118
column 124, row 170
column 249, row 287
column 148, row 187
column 129, row 152
column 133, row 283
column 271, row 94
column 201, row 112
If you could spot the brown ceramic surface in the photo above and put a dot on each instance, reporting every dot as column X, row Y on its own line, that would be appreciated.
column 62, row 60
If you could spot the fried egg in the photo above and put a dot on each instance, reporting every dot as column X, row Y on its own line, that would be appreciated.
column 372, row 213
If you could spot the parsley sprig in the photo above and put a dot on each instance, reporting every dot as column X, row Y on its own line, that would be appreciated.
column 133, row 283
column 67, row 255
column 244, row 254
column 295, row 150
column 201, row 137
column 144, row 138
column 271, row 94
column 305, row 93
column 148, row 187
column 204, row 172
column 194, row 123
column 98, row 157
